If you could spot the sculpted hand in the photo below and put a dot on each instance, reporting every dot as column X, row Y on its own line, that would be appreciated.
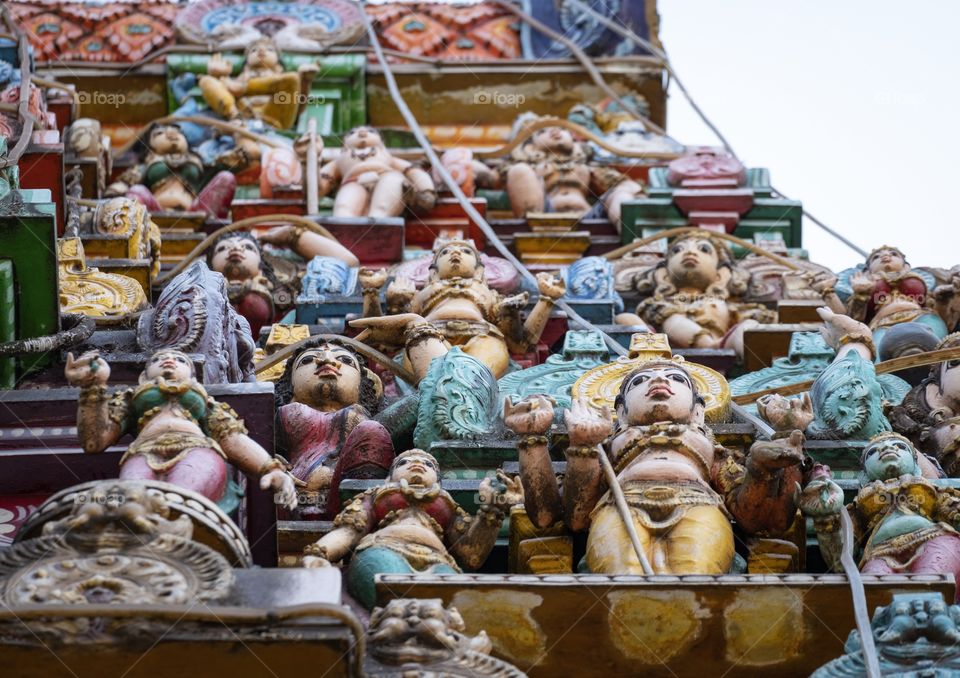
column 550, row 286
column 531, row 416
column 820, row 498
column 281, row 236
column 836, row 326
column 503, row 494
column 87, row 370
column 823, row 281
column 861, row 282
column 786, row 414
column 372, row 279
column 587, row 426
column 387, row 329
column 402, row 288
column 219, row 67
column 768, row 455
column 316, row 562
column 285, row 492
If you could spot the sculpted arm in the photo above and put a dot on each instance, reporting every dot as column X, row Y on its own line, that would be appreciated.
column 247, row 455
column 551, row 289
column 862, row 285
column 351, row 525
column 530, row 418
column 329, row 177
column 583, row 482
column 760, row 493
column 822, row 500
column 101, row 420
column 472, row 538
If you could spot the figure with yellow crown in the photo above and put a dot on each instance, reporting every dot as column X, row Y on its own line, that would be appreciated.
column 903, row 523
column 679, row 487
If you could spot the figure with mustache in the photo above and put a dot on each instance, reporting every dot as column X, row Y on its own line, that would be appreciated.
column 325, row 401
column 550, row 172
column 693, row 295
column 903, row 523
column 372, row 182
column 181, row 435
column 456, row 307
column 682, row 488
column 411, row 524
column 262, row 287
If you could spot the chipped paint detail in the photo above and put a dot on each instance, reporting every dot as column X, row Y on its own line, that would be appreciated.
column 653, row 627
column 506, row 617
column 764, row 626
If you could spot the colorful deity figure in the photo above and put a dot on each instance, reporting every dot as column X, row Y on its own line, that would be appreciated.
column 371, row 182
column 411, row 524
column 694, row 295
column 884, row 292
column 456, row 307
column 681, row 487
column 325, row 401
column 181, row 435
column 929, row 414
column 551, row 172
column 262, row 90
column 903, row 523
column 170, row 177
column 262, row 286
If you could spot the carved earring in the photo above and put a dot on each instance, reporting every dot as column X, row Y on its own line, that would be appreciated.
column 377, row 384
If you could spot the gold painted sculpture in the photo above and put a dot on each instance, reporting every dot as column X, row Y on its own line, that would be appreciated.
column 693, row 294
column 372, row 182
column 262, row 90
column 681, row 487
column 455, row 307
column 106, row 297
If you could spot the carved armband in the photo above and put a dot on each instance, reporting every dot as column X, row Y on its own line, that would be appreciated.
column 295, row 237
column 118, row 408
column 858, row 338
column 354, row 515
column 223, row 421
column 420, row 332
column 92, row 395
column 316, row 549
column 827, row 524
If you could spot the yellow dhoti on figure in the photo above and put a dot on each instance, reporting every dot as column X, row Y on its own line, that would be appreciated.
column 683, row 528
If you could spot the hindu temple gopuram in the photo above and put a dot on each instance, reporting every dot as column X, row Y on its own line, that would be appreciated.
column 402, row 339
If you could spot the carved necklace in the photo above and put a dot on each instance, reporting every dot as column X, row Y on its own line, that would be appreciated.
column 363, row 153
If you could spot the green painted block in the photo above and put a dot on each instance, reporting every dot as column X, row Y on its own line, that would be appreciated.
column 8, row 322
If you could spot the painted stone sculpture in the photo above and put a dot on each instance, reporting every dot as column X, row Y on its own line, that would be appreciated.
column 129, row 218
column 550, row 172
column 457, row 307
column 903, row 522
column 847, row 398
column 680, row 485
column 261, row 286
column 192, row 315
column 884, row 292
column 499, row 273
column 370, row 182
column 325, row 399
column 930, row 413
column 171, row 177
column 262, row 90
column 327, row 276
column 694, row 295
column 916, row 634
column 181, row 435
column 410, row 524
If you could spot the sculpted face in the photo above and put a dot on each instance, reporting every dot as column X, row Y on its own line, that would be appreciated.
column 456, row 261
column 556, row 139
column 171, row 365
column 950, row 380
column 658, row 394
column 238, row 259
column 417, row 469
column 327, row 378
column 362, row 137
column 167, row 140
column 887, row 260
column 263, row 54
column 889, row 458
column 693, row 262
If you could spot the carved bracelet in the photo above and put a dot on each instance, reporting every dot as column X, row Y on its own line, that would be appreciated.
column 295, row 238
column 92, row 395
column 531, row 441
column 582, row 452
column 275, row 463
column 420, row 332
column 316, row 549
column 858, row 339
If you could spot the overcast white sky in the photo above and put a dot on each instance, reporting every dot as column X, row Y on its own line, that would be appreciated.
column 853, row 105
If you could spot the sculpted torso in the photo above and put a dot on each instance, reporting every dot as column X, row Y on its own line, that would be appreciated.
column 460, row 299
column 666, row 462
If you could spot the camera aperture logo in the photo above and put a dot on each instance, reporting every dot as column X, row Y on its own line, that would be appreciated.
column 497, row 98
column 299, row 98
column 98, row 98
